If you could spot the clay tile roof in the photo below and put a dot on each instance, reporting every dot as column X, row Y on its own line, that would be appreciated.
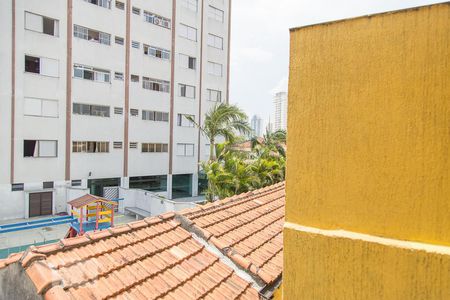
column 247, row 228
column 88, row 199
column 150, row 259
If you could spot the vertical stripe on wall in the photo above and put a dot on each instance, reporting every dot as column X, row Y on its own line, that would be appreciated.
column 127, row 90
column 68, row 90
column 228, row 54
column 172, row 85
column 13, row 85
column 200, row 86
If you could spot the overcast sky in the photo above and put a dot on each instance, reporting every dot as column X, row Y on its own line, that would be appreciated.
column 260, row 41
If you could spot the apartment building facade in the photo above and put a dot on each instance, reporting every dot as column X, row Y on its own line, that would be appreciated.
column 280, row 102
column 95, row 94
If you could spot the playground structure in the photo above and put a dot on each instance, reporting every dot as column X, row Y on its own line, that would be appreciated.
column 90, row 213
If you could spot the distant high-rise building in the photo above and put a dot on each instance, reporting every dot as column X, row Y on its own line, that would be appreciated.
column 257, row 125
column 280, row 113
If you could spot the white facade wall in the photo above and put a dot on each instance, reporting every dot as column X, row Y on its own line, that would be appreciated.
column 33, row 171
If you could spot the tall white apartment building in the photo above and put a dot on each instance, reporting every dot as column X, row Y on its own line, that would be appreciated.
column 256, row 124
column 280, row 102
column 95, row 94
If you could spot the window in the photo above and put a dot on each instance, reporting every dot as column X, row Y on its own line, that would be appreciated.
column 149, row 183
column 214, row 95
column 47, row 185
column 118, row 76
column 134, row 78
column 188, row 62
column 118, row 110
column 118, row 40
column 90, row 73
column 158, row 116
column 102, row 3
column 120, row 5
column 41, row 65
column 183, row 121
column 187, row 91
column 155, row 85
column 136, row 11
column 76, row 182
column 185, row 149
column 40, row 107
column 214, row 69
column 157, row 52
column 188, row 32
column 40, row 148
column 190, row 4
column 134, row 112
column 154, row 148
column 91, row 35
column 215, row 41
column 135, row 44
column 117, row 145
column 133, row 145
column 41, row 24
column 90, row 147
column 156, row 19
column 91, row 110
column 215, row 13
column 17, row 187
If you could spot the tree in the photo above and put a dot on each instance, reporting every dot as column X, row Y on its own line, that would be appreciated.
column 223, row 120
column 234, row 172
column 275, row 141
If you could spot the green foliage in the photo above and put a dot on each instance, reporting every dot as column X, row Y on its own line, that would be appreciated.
column 235, row 172
column 223, row 120
column 232, row 172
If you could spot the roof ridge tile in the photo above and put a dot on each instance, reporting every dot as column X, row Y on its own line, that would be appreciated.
column 31, row 256
column 12, row 258
column 42, row 276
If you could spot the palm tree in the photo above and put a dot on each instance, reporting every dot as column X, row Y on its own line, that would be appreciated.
column 223, row 120
column 274, row 141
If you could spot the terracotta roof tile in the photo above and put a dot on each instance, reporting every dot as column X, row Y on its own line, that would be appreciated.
column 247, row 228
column 150, row 259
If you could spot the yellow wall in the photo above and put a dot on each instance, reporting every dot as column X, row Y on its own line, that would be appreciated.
column 369, row 150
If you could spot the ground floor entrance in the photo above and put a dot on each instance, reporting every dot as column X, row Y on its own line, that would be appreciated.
column 40, row 204
column 181, row 186
column 96, row 186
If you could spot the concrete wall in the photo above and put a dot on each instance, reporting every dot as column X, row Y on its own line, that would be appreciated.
column 369, row 136
column 155, row 203
column 10, row 276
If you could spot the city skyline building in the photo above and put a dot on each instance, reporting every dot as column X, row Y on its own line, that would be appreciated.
column 96, row 95
column 257, row 125
column 280, row 102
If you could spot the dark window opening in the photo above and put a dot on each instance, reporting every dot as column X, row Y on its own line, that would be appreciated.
column 181, row 186
column 96, row 186
column 76, row 182
column 149, row 183
column 192, row 63
column 29, row 148
column 32, row 64
column 49, row 26
column 88, row 75
column 48, row 185
column 17, row 187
